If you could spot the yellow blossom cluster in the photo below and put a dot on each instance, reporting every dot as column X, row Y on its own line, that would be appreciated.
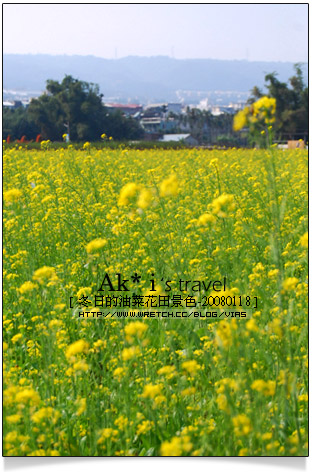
column 146, row 385
column 263, row 111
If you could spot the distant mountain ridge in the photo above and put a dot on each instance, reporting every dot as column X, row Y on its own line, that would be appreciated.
column 142, row 78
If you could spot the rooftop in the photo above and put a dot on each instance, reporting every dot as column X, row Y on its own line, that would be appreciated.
column 124, row 106
column 174, row 137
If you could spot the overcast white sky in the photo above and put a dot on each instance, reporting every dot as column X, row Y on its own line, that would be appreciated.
column 255, row 32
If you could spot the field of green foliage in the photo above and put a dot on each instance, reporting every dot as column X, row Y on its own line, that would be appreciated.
column 147, row 386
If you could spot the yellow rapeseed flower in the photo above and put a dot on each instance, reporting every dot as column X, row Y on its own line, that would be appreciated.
column 16, row 338
column 205, row 219
column 127, row 193
column 171, row 448
column 145, row 199
column 14, row 418
column 130, row 352
column 178, row 446
column 81, row 403
column 289, row 284
column 136, row 329
column 267, row 388
column 304, row 241
column 191, row 366
column 27, row 395
column 251, row 325
column 76, row 348
column 188, row 391
column 169, row 371
column 46, row 413
column 151, row 391
column 12, row 195
column 223, row 204
column 144, row 427
column 169, row 186
column 107, row 433
column 45, row 273
column 240, row 120
column 224, row 334
column 95, row 244
column 27, row 287
column 119, row 372
column 121, row 422
column 80, row 366
column 265, row 106
column 222, row 402
column 242, row 425
column 85, row 291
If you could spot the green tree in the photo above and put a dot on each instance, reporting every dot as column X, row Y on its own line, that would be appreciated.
column 256, row 93
column 291, row 103
column 121, row 127
column 47, row 114
column 73, row 107
column 17, row 124
column 204, row 126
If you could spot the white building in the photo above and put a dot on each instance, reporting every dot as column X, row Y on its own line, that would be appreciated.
column 179, row 137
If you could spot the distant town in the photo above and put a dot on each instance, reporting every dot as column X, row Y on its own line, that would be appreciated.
column 160, row 121
column 191, row 102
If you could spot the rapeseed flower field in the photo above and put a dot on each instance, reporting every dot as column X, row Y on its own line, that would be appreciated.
column 146, row 387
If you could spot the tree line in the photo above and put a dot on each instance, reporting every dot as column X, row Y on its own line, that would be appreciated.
column 291, row 116
column 75, row 107
column 71, row 107
column 292, row 104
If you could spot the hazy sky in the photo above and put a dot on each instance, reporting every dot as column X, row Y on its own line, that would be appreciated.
column 262, row 32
